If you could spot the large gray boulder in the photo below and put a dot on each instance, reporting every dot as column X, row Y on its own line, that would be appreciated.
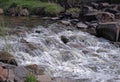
column 109, row 30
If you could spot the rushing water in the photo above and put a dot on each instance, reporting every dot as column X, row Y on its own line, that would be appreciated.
column 83, row 57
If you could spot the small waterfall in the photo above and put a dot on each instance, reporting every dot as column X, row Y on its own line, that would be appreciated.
column 83, row 57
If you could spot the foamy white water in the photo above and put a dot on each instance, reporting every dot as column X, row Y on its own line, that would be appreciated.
column 84, row 56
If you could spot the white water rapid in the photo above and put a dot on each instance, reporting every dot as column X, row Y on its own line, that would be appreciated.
column 84, row 56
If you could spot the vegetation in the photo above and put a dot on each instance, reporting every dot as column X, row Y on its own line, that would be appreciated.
column 31, row 78
column 49, row 8
column 72, row 10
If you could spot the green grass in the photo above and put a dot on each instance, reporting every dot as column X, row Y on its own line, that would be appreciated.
column 72, row 10
column 31, row 78
column 50, row 8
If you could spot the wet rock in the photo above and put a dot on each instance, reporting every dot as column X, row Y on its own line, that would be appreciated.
column 55, row 18
column 36, row 69
column 44, row 78
column 117, row 16
column 24, row 12
column 81, row 25
column 105, row 17
column 90, row 17
column 11, row 75
column 62, row 80
column 1, row 11
column 88, row 9
column 64, row 39
column 64, row 22
column 104, row 5
column 20, row 73
column 3, row 74
column 109, row 30
column 7, row 58
column 74, row 21
column 111, row 10
column 94, row 5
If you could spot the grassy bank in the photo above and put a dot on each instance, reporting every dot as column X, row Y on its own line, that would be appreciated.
column 32, row 5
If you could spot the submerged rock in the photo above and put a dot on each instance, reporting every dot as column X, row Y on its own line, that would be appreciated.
column 64, row 39
column 7, row 58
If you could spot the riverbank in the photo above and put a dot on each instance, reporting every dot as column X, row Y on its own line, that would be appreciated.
column 31, row 7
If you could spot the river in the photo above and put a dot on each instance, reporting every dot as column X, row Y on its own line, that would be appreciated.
column 83, row 57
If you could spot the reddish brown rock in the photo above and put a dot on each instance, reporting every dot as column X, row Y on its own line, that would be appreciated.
column 44, row 78
column 3, row 74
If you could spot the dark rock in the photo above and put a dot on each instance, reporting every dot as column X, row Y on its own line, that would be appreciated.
column 110, row 10
column 110, row 30
column 3, row 74
column 44, row 78
column 90, row 17
column 81, row 25
column 117, row 16
column 64, row 39
column 94, row 5
column 7, row 58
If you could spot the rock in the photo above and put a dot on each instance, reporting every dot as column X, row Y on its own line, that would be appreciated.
column 64, row 39
column 104, row 5
column 94, row 5
column 64, row 22
column 7, row 58
column 105, row 17
column 44, row 78
column 90, row 17
column 1, row 11
column 55, row 18
column 24, row 12
column 36, row 69
column 11, row 75
column 117, row 16
column 62, row 80
column 88, row 9
column 109, row 30
column 111, row 10
column 82, row 25
column 20, row 73
column 3, row 74
column 74, row 21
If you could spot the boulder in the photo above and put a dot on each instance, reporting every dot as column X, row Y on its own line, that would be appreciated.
column 105, row 17
column 88, row 9
column 1, row 11
column 111, row 10
column 82, row 25
column 3, row 74
column 104, row 5
column 109, row 30
column 62, row 80
column 7, row 58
